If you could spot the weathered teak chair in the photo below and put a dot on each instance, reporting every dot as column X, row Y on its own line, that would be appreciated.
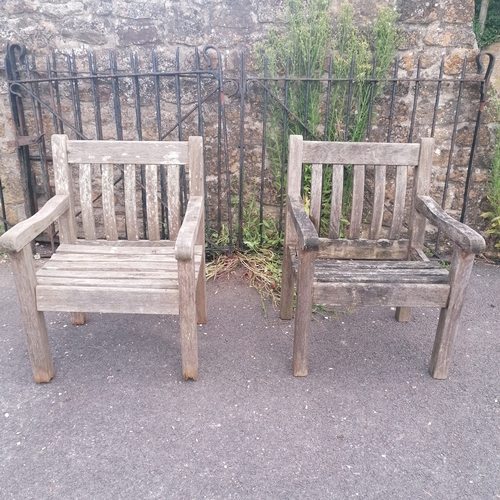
column 379, row 262
column 148, row 276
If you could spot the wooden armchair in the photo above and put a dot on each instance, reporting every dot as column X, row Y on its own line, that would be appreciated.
column 376, row 259
column 111, row 275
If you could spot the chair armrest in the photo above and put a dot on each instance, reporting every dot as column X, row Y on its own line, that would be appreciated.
column 464, row 236
column 24, row 232
column 186, row 238
column 306, row 232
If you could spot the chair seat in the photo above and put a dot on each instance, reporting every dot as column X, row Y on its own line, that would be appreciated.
column 112, row 277
column 387, row 283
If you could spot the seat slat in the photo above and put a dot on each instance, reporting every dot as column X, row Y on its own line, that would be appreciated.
column 115, row 282
column 126, row 249
column 381, row 294
column 107, row 299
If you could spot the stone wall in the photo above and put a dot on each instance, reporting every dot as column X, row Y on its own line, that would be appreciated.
column 430, row 30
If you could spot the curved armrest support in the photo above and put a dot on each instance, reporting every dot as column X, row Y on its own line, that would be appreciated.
column 186, row 238
column 306, row 232
column 464, row 236
column 24, row 232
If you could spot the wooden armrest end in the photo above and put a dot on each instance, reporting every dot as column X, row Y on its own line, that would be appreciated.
column 306, row 232
column 24, row 232
column 186, row 238
column 464, row 236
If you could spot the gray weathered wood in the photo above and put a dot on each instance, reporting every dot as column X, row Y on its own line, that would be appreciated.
column 307, row 237
column 358, row 194
column 336, row 201
column 188, row 234
column 360, row 153
column 316, row 194
column 152, row 202
column 108, row 202
column 363, row 249
column 121, row 152
column 421, row 186
column 86, row 201
column 63, row 183
column 399, row 203
column 464, row 236
column 108, row 299
column 174, row 201
column 378, row 202
column 112, row 276
column 403, row 314
column 33, row 319
column 381, row 294
column 302, row 328
column 22, row 233
column 460, row 271
column 130, row 202
column 187, row 320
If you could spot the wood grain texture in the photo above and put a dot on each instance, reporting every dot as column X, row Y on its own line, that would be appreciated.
column 63, row 183
column 398, row 209
column 130, row 202
column 108, row 202
column 152, row 202
column 187, row 320
column 33, row 320
column 336, row 201
column 382, row 249
column 378, row 202
column 303, row 311
column 174, row 200
column 186, row 239
column 134, row 152
column 316, row 194
column 460, row 271
column 24, row 232
column 304, row 228
column 86, row 201
column 360, row 153
column 464, row 236
column 358, row 195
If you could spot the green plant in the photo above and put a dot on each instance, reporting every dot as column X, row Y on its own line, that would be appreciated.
column 493, row 215
column 300, row 55
column 491, row 31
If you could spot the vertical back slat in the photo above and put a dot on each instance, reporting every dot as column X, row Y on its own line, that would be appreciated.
column 336, row 207
column 152, row 202
column 88, row 221
column 378, row 202
column 108, row 202
column 64, row 185
column 130, row 203
column 316, row 189
column 399, row 202
column 358, row 194
column 174, row 205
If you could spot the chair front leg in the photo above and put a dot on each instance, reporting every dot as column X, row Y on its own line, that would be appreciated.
column 303, row 311
column 187, row 319
column 460, row 271
column 33, row 320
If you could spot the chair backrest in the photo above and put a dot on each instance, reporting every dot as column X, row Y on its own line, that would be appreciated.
column 115, row 179
column 380, row 203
